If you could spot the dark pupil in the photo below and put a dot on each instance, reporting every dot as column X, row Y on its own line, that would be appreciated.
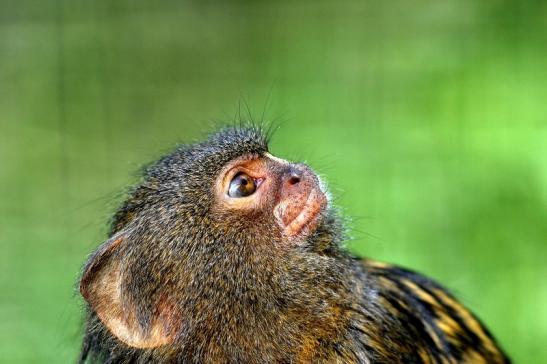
column 241, row 186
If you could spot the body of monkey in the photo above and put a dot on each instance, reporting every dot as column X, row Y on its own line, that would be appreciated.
column 226, row 254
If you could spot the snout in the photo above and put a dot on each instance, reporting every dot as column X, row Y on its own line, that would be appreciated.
column 301, row 200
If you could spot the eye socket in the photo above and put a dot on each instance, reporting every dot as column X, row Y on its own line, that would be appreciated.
column 242, row 185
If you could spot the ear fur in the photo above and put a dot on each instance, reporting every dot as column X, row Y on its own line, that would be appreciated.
column 101, row 287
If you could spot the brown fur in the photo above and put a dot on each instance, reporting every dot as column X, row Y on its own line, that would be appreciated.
column 190, row 276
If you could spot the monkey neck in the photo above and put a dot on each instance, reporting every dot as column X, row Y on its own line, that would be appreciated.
column 260, row 295
column 259, row 303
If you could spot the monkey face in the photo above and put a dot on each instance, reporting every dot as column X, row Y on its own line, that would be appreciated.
column 288, row 194
column 213, row 226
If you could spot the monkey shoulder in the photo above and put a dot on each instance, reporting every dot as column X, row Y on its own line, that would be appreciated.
column 418, row 318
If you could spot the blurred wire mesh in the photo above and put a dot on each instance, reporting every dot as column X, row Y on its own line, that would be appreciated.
column 427, row 118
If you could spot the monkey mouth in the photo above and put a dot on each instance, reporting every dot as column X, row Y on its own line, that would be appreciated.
column 297, row 221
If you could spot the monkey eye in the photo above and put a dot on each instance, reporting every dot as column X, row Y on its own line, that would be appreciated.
column 241, row 185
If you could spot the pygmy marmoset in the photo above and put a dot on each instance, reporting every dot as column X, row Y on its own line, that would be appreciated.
column 227, row 254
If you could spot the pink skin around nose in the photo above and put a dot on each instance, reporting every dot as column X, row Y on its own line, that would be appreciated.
column 300, row 204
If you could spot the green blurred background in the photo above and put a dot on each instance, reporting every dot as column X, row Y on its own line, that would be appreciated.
column 428, row 118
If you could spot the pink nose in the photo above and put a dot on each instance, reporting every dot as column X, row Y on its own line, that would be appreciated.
column 294, row 176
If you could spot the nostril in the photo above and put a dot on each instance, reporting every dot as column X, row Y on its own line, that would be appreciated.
column 294, row 174
column 294, row 179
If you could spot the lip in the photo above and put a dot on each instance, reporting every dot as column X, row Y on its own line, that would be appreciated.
column 304, row 222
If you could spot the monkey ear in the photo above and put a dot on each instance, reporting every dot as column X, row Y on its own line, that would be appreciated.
column 101, row 287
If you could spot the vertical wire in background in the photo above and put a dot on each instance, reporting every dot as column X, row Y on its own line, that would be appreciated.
column 61, row 105
column 100, row 14
column 378, row 94
column 63, row 330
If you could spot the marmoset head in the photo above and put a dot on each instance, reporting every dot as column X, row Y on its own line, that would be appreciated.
column 213, row 227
